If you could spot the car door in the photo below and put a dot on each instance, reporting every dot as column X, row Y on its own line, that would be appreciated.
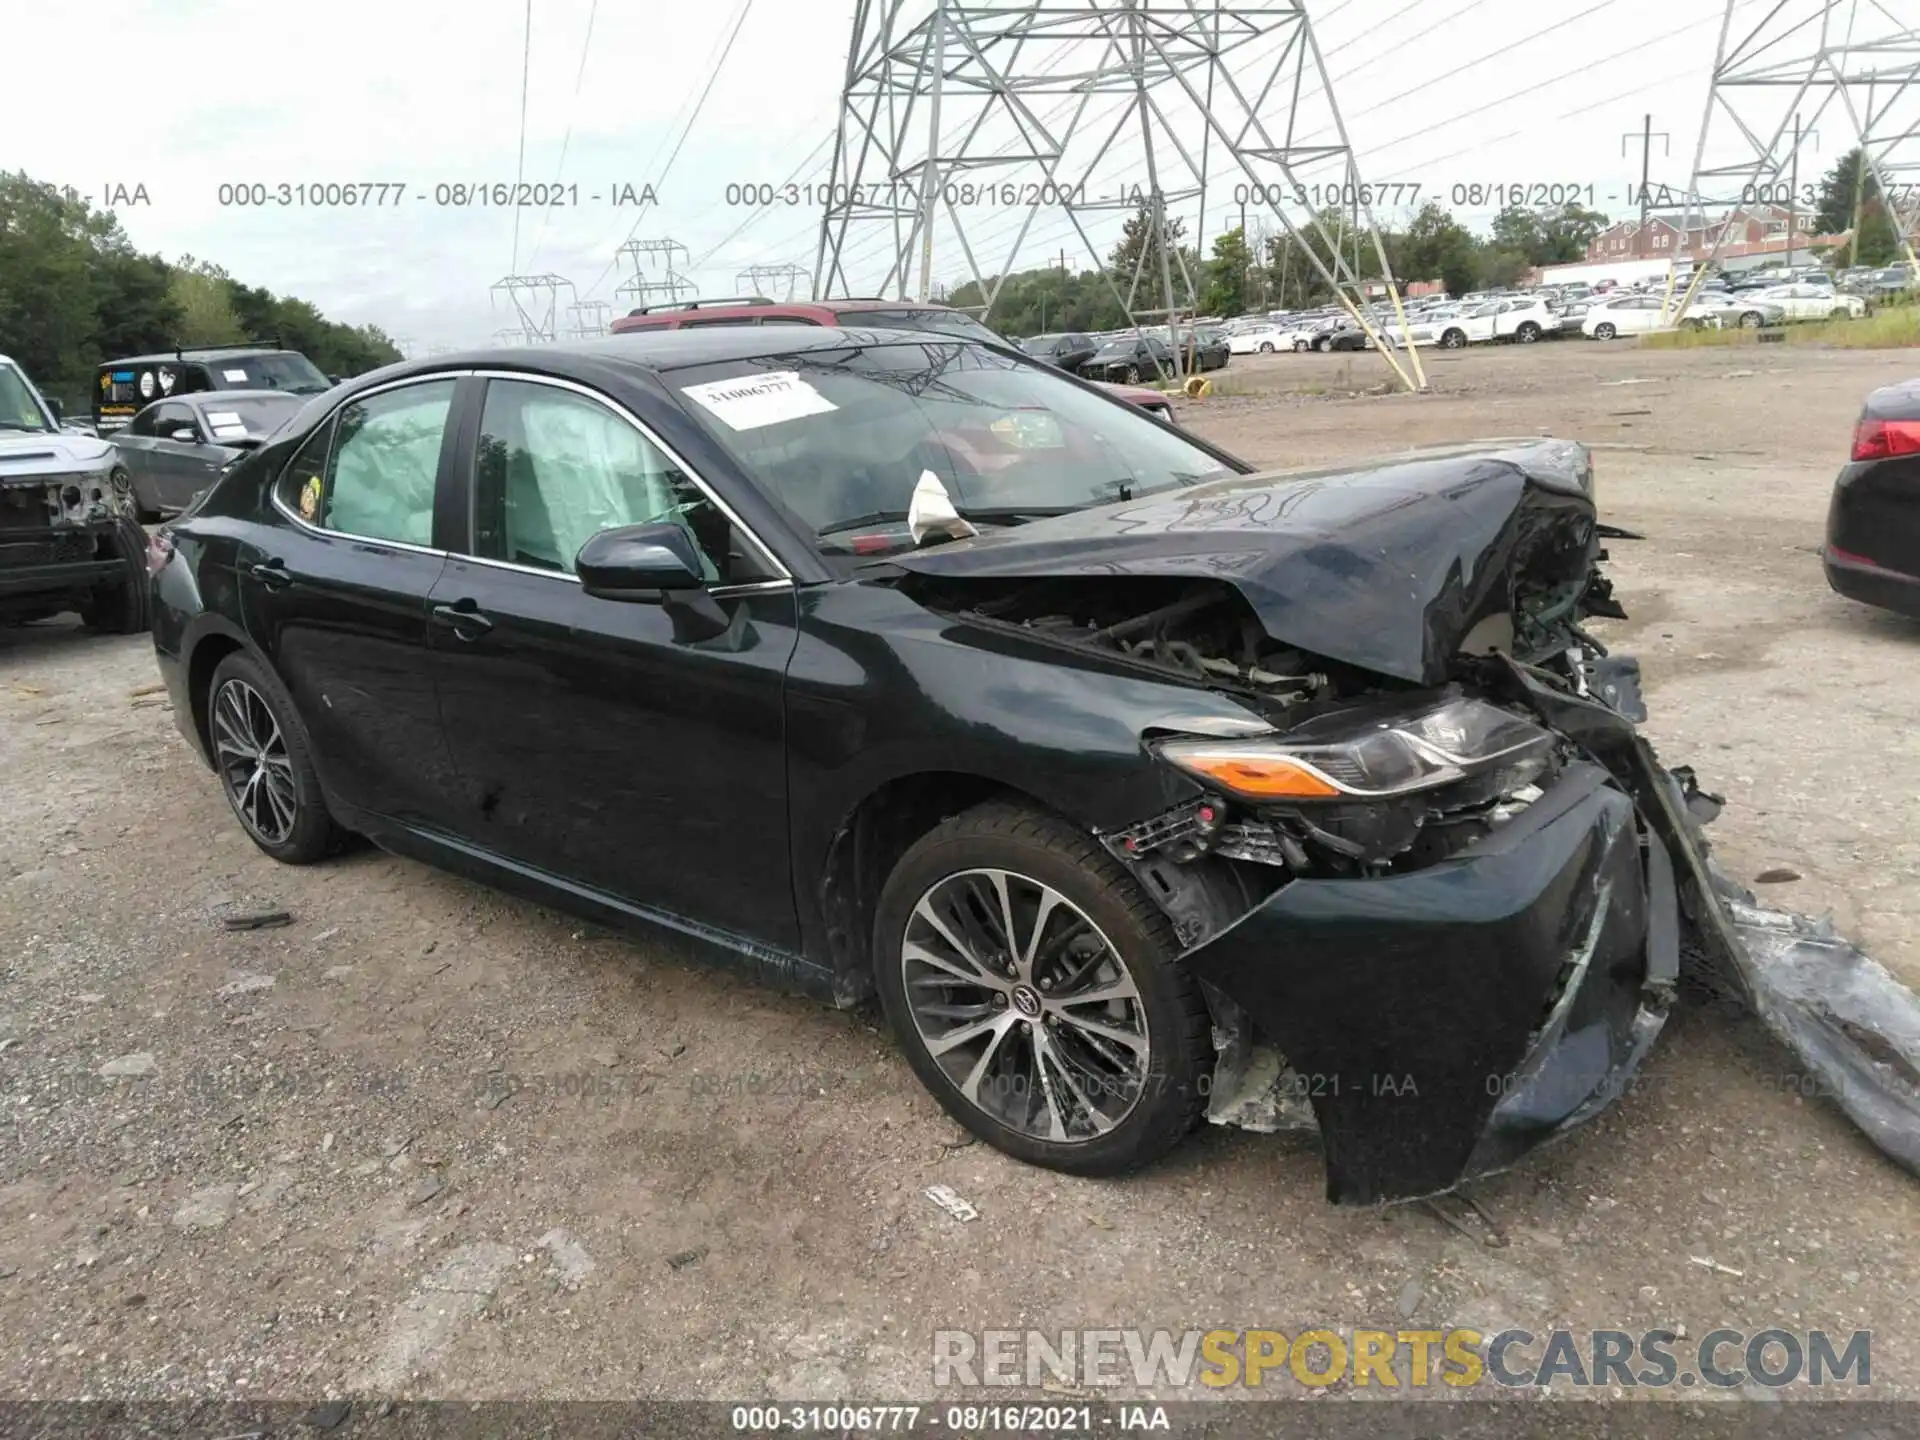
column 608, row 742
column 334, row 592
column 134, row 441
column 1479, row 325
column 180, row 467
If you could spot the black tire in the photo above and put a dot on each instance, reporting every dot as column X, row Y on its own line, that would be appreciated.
column 1266, row 347
column 1604, row 331
column 1454, row 339
column 1004, row 836
column 120, row 607
column 314, row 835
column 1527, row 333
column 1133, row 374
column 1324, row 344
column 1751, row 319
column 1300, row 347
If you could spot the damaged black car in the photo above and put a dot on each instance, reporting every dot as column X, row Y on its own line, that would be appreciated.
column 1142, row 789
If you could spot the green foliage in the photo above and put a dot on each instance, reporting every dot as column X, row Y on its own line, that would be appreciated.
column 1229, row 275
column 1833, row 211
column 74, row 292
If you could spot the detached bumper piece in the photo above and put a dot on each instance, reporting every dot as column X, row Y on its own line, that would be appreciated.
column 1443, row 1022
column 1855, row 1027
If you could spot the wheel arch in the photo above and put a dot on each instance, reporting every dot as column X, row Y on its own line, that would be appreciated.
column 869, row 842
column 209, row 649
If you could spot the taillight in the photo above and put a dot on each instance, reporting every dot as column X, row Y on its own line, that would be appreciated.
column 1883, row 439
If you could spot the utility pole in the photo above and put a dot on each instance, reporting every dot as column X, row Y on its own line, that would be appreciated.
column 1793, row 185
column 1645, row 135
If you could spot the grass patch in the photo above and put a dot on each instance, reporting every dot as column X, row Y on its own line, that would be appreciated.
column 1891, row 328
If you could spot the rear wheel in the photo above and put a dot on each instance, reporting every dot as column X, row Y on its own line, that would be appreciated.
column 120, row 606
column 1527, row 333
column 1300, row 347
column 1604, row 331
column 1323, row 344
column 1454, row 339
column 1750, row 319
column 1266, row 347
column 1036, row 992
column 265, row 762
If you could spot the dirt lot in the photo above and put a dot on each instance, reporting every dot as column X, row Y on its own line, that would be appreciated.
column 310, row 1185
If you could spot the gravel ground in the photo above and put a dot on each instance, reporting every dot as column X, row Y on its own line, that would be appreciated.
column 293, row 1162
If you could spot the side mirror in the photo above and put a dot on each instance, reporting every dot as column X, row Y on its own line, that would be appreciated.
column 636, row 562
column 185, row 434
column 59, row 413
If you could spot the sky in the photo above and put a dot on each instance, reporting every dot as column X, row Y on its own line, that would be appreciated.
column 186, row 97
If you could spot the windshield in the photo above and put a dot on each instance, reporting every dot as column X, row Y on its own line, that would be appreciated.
column 841, row 437
column 19, row 409
column 286, row 370
column 252, row 418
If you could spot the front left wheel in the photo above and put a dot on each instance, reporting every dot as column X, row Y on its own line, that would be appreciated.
column 1036, row 992
column 265, row 762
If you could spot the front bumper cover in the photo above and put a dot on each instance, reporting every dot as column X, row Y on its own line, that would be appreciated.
column 1444, row 1022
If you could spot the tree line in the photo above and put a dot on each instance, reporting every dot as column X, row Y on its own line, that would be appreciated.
column 1433, row 245
column 75, row 292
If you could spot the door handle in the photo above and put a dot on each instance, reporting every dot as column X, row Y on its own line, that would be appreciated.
column 462, row 617
column 269, row 574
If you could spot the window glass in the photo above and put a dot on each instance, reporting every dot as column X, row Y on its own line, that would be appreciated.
column 843, row 436
column 556, row 468
column 169, row 418
column 380, row 479
column 301, row 482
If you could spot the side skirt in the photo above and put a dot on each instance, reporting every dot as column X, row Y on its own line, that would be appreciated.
column 682, row 937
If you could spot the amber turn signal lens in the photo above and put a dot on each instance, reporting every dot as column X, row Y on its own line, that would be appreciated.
column 1260, row 777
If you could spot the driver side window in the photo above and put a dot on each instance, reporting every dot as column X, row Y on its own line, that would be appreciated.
column 555, row 468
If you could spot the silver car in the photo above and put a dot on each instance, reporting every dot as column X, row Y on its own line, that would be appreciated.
column 177, row 447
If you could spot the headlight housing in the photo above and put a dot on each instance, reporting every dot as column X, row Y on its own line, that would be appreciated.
column 1379, row 759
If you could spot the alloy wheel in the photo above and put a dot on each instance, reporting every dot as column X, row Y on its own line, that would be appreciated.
column 255, row 769
column 1025, row 1005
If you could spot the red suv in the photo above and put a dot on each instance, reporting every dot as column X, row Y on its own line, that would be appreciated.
column 890, row 314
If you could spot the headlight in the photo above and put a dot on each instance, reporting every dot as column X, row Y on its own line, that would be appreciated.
column 1378, row 760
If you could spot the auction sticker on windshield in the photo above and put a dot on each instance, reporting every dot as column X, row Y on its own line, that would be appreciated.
column 757, row 400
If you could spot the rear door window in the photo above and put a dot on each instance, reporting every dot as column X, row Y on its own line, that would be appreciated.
column 380, row 476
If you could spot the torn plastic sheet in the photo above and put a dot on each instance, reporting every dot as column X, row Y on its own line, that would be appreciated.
column 1855, row 1026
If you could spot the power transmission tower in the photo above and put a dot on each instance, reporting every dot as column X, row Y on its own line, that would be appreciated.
column 587, row 318
column 1853, row 63
column 511, row 335
column 535, row 302
column 766, row 279
column 671, row 288
column 940, row 136
column 1645, row 135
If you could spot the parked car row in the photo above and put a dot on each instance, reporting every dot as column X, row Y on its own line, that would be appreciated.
column 1132, row 356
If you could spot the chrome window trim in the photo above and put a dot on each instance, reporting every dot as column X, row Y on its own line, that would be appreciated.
column 767, row 554
column 273, row 490
column 746, row 587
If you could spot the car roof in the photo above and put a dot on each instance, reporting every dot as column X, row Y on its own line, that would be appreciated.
column 201, row 399
column 663, row 350
column 191, row 354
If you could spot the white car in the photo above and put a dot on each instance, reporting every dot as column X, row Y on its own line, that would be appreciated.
column 1639, row 314
column 1522, row 318
column 1811, row 302
column 1260, row 340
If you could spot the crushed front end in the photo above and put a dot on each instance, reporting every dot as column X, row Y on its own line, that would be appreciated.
column 1438, row 889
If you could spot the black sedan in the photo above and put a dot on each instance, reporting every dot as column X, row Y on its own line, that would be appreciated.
column 175, row 448
column 1139, row 787
column 1068, row 352
column 1872, row 552
column 1131, row 359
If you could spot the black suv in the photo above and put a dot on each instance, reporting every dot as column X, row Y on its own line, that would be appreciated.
column 122, row 388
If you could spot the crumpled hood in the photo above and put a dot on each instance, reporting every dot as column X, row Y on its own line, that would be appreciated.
column 1386, row 565
column 39, row 454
